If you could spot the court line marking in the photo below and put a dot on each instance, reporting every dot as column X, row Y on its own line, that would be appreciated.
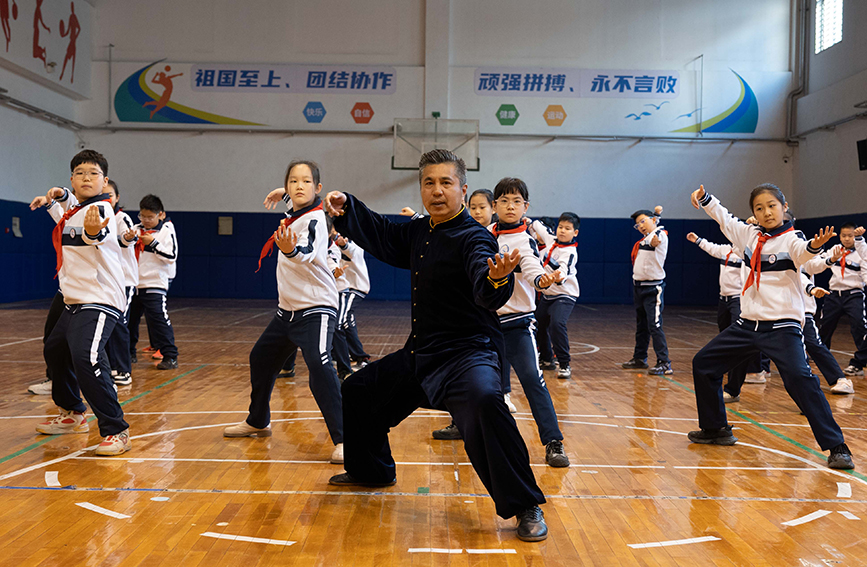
column 844, row 490
column 860, row 477
column 674, row 542
column 434, row 550
column 249, row 539
column 51, row 437
column 500, row 551
column 338, row 492
column 101, row 510
column 808, row 518
column 848, row 515
column 20, row 342
column 51, row 478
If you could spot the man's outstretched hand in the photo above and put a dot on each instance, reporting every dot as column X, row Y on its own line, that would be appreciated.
column 501, row 266
column 334, row 202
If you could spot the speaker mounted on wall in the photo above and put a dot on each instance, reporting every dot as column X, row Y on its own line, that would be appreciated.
column 862, row 154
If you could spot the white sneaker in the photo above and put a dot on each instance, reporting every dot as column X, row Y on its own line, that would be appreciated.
column 757, row 378
column 728, row 398
column 114, row 445
column 42, row 388
column 853, row 371
column 337, row 454
column 843, row 386
column 243, row 429
column 509, row 404
column 66, row 422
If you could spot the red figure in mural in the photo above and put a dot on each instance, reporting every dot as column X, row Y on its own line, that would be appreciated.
column 73, row 32
column 166, row 81
column 38, row 50
column 4, row 18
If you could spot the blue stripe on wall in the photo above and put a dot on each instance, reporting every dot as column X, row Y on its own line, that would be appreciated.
column 212, row 266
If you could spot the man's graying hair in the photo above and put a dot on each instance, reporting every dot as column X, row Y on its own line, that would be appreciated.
column 435, row 157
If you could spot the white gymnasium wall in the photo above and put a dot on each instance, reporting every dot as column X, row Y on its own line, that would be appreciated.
column 229, row 172
column 827, row 177
column 34, row 154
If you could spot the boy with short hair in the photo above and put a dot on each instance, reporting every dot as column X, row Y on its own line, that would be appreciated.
column 848, row 278
column 557, row 301
column 157, row 251
column 512, row 199
column 648, row 275
column 92, row 280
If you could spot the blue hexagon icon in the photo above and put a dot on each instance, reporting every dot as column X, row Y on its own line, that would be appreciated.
column 314, row 112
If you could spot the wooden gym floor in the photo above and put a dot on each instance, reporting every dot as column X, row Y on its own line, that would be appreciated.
column 637, row 492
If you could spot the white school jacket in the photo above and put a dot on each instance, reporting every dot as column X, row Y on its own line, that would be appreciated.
column 355, row 266
column 156, row 263
column 332, row 257
column 528, row 272
column 91, row 273
column 647, row 268
column 304, row 278
column 779, row 294
column 808, row 282
column 855, row 275
column 731, row 281
column 127, row 249
column 558, row 257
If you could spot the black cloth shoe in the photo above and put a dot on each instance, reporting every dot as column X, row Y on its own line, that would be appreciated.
column 661, row 368
column 345, row 479
column 841, row 457
column 547, row 365
column 167, row 364
column 721, row 436
column 133, row 358
column 287, row 373
column 555, row 456
column 634, row 364
column 531, row 525
column 449, row 433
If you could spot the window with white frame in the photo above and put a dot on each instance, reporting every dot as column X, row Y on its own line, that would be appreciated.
column 829, row 23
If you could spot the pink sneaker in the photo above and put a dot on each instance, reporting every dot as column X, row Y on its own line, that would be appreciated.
column 114, row 445
column 66, row 422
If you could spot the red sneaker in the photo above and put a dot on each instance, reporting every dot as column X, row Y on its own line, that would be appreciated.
column 148, row 349
column 157, row 355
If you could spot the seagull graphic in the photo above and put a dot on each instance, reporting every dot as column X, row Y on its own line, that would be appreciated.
column 657, row 107
column 688, row 115
column 637, row 116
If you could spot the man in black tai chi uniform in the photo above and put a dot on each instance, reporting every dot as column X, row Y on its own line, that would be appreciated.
column 452, row 358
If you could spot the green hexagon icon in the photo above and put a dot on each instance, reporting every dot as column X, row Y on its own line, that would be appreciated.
column 507, row 114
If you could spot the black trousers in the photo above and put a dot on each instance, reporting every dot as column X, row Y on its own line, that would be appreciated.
column 783, row 342
column 152, row 303
column 311, row 330
column 382, row 394
column 850, row 302
column 78, row 363
column 728, row 311
column 552, row 315
column 347, row 346
column 119, row 355
column 649, row 303
column 54, row 313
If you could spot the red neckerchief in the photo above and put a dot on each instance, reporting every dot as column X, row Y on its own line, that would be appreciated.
column 729, row 254
column 497, row 232
column 57, row 233
column 269, row 245
column 554, row 247
column 846, row 252
column 756, row 260
column 636, row 245
column 140, row 245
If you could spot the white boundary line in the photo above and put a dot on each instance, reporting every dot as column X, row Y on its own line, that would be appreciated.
column 249, row 539
column 674, row 542
column 51, row 479
column 101, row 510
column 20, row 342
column 808, row 518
